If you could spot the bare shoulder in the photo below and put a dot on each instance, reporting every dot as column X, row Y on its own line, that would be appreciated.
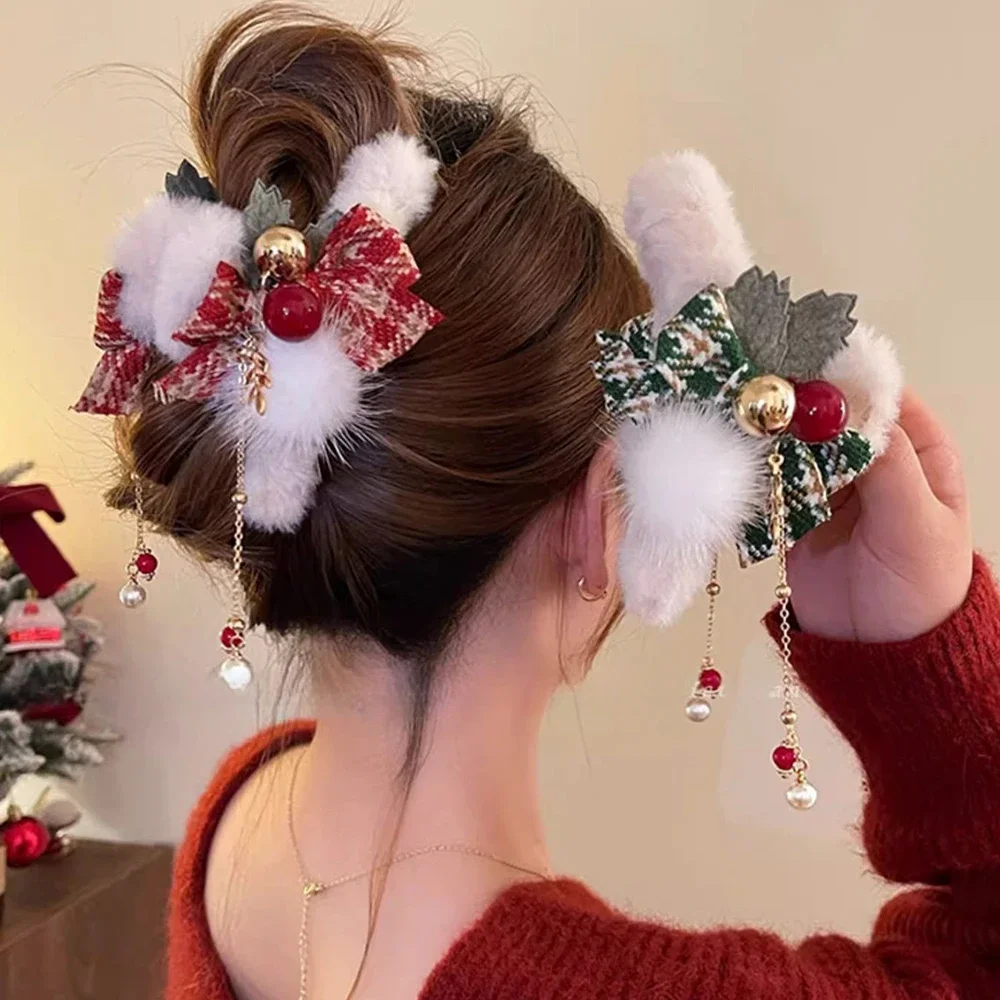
column 251, row 887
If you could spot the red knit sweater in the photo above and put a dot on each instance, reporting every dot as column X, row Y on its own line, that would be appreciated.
column 924, row 718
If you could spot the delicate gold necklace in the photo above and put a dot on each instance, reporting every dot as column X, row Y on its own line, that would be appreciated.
column 311, row 888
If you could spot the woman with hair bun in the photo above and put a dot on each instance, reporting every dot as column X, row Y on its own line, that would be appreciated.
column 376, row 316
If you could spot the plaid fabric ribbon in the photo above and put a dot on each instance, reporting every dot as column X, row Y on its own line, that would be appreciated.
column 114, row 386
column 362, row 278
column 698, row 356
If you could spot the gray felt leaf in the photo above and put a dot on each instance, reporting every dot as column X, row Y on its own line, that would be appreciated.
column 267, row 207
column 818, row 326
column 758, row 304
column 188, row 183
column 317, row 232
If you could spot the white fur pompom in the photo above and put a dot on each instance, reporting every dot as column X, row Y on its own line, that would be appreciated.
column 869, row 374
column 680, row 216
column 315, row 394
column 692, row 479
column 393, row 174
column 167, row 255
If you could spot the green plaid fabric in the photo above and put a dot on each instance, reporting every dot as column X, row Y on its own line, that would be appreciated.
column 698, row 356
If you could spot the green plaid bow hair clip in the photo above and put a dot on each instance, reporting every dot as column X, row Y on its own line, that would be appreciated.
column 727, row 371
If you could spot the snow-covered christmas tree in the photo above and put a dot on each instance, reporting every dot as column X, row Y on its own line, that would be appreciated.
column 47, row 647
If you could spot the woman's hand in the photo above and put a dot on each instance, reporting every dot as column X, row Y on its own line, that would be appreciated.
column 896, row 558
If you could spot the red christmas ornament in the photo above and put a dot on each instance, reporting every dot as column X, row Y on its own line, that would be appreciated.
column 292, row 312
column 61, row 712
column 820, row 412
column 26, row 839
column 710, row 680
column 230, row 638
column 784, row 757
column 146, row 563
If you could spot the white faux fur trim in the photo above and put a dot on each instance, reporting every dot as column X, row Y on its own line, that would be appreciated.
column 680, row 216
column 869, row 374
column 691, row 479
column 659, row 582
column 167, row 255
column 315, row 394
column 393, row 174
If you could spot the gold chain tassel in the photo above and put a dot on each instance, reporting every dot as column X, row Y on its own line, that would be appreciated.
column 235, row 669
column 709, row 683
column 787, row 755
column 142, row 562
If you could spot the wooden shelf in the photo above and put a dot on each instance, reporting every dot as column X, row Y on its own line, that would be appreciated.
column 90, row 926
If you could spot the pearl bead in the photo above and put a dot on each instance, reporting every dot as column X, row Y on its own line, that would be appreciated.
column 132, row 594
column 802, row 795
column 236, row 672
column 697, row 709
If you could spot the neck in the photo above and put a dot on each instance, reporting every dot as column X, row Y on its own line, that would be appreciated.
column 475, row 783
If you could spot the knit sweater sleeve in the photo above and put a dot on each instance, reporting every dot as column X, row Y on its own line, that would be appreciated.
column 924, row 719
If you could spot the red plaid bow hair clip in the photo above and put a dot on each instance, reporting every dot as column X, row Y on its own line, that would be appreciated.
column 273, row 327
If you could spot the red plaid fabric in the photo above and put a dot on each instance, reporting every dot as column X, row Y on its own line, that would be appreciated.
column 215, row 329
column 363, row 277
column 115, row 385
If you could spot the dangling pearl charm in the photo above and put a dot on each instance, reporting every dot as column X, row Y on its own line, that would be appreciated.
column 132, row 594
column 236, row 672
column 802, row 795
column 697, row 709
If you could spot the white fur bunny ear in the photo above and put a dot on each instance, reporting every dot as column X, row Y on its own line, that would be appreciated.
column 393, row 174
column 680, row 216
column 691, row 478
column 315, row 397
column 167, row 255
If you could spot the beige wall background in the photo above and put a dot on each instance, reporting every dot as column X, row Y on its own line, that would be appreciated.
column 862, row 141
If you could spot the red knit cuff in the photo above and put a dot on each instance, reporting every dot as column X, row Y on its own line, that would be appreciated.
column 924, row 719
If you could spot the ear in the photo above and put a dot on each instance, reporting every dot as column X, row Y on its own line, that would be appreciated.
column 589, row 536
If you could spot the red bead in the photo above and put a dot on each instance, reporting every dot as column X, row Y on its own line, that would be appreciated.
column 820, row 412
column 292, row 312
column 31, row 608
column 26, row 840
column 710, row 680
column 230, row 638
column 784, row 757
column 146, row 563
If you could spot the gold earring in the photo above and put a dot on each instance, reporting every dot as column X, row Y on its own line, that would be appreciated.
column 588, row 595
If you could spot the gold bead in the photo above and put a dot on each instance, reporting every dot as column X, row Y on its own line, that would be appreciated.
column 713, row 589
column 281, row 252
column 239, row 498
column 765, row 405
column 782, row 591
column 789, row 718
